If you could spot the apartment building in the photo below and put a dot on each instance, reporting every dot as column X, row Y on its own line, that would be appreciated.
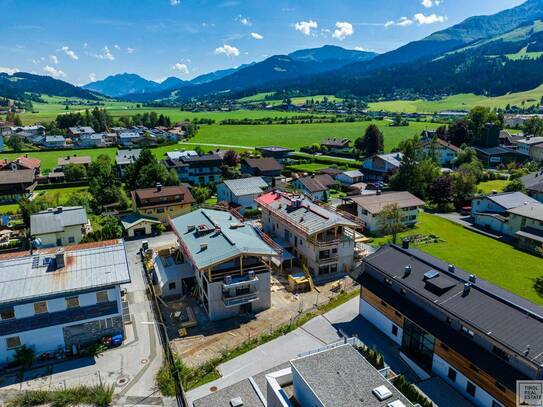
column 196, row 169
column 231, row 262
column 61, row 299
column 162, row 203
column 320, row 238
column 477, row 337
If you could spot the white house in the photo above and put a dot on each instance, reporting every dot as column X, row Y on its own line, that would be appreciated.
column 444, row 153
column 241, row 193
column 350, row 177
column 60, row 226
column 38, row 312
column 370, row 206
column 381, row 166
column 315, row 186
column 525, row 145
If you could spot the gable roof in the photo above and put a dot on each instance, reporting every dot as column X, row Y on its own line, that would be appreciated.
column 55, row 220
column 225, row 236
column 17, row 177
column 77, row 160
column 23, row 161
column 374, row 204
column 444, row 144
column 336, row 142
column 133, row 219
column 246, row 186
column 317, row 183
column 510, row 200
column 149, row 193
column 531, row 210
column 264, row 164
column 353, row 173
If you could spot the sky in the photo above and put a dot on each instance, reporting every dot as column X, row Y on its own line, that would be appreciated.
column 80, row 41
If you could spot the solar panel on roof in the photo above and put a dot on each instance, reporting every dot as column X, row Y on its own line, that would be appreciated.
column 431, row 274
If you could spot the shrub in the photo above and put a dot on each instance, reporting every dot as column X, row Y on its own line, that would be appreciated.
column 411, row 392
column 25, row 356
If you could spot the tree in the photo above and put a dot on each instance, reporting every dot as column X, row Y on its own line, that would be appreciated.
column 17, row 121
column 440, row 192
column 515, row 186
column 201, row 193
column 25, row 356
column 477, row 118
column 15, row 142
column 390, row 221
column 102, row 184
column 73, row 172
column 372, row 142
column 533, row 126
column 458, row 133
column 464, row 187
column 110, row 228
column 231, row 158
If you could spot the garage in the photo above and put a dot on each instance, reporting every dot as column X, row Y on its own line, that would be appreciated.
column 138, row 226
column 140, row 232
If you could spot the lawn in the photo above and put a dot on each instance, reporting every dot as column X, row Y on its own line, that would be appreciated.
column 49, row 158
column 464, row 101
column 300, row 100
column 298, row 135
column 485, row 257
column 61, row 193
column 309, row 167
column 488, row 187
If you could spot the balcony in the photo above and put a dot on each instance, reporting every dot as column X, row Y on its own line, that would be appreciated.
column 234, row 300
column 327, row 260
column 241, row 281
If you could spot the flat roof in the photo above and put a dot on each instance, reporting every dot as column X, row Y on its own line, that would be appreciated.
column 342, row 377
column 90, row 266
column 226, row 237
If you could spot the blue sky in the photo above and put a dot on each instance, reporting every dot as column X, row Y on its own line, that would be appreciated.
column 82, row 40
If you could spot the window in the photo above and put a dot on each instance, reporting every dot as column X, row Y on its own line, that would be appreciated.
column 470, row 389
column 171, row 286
column 159, row 210
column 72, row 302
column 324, row 270
column 101, row 296
column 402, row 291
column 7, row 313
column 333, row 269
column 105, row 323
column 13, row 342
column 466, row 330
column 394, row 330
column 71, row 239
column 448, row 320
column 40, row 307
column 452, row 374
column 59, row 242
column 388, row 282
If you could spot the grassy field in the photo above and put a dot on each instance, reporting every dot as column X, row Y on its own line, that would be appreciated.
column 460, row 102
column 261, row 97
column 310, row 167
column 495, row 185
column 296, row 136
column 487, row 258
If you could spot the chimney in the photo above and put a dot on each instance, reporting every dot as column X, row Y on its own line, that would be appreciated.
column 407, row 270
column 158, row 187
column 452, row 268
column 405, row 244
column 203, row 246
column 379, row 192
column 472, row 279
column 59, row 257
column 467, row 288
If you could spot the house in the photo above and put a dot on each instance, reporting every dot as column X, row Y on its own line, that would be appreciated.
column 231, row 262
column 350, row 177
column 536, row 152
column 60, row 226
column 92, row 140
column 123, row 159
column 161, row 202
column 80, row 131
column 24, row 162
column 381, row 167
column 261, row 167
column 177, row 155
column 136, row 225
column 332, row 376
column 172, row 275
column 195, row 169
column 526, row 222
column 61, row 299
column 525, row 145
column 333, row 172
column 515, row 121
column 129, row 139
column 279, row 153
column 83, row 160
column 53, row 142
column 16, row 184
column 534, row 185
column 241, row 193
column 321, row 239
column 491, row 211
column 36, row 130
column 494, row 156
column 369, row 208
column 336, row 145
column 477, row 337
column 443, row 152
column 315, row 186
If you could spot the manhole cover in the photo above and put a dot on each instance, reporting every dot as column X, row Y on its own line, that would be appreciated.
column 122, row 381
column 213, row 389
column 144, row 361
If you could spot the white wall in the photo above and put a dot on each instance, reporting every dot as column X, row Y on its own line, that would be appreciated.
column 380, row 321
column 302, row 392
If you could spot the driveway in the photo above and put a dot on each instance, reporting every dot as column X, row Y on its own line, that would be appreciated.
column 131, row 368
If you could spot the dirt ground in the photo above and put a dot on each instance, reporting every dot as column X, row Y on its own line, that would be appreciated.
column 209, row 339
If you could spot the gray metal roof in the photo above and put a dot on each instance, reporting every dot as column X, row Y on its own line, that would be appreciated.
column 55, row 220
column 127, row 156
column 342, row 377
column 225, row 236
column 246, row 186
column 510, row 200
column 24, row 277
column 392, row 158
column 531, row 210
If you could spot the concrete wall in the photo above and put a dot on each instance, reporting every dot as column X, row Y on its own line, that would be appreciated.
column 380, row 321
column 302, row 392
column 485, row 205
column 224, row 194
column 141, row 225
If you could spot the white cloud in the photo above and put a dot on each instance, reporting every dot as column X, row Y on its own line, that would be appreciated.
column 243, row 20
column 175, row 2
column 130, row 50
column 430, row 19
column 305, row 26
column 69, row 52
column 182, row 68
column 9, row 71
column 402, row 22
column 55, row 73
column 227, row 50
column 430, row 3
column 343, row 30
column 257, row 36
column 106, row 54
column 361, row 49
column 53, row 59
column 85, row 45
column 116, row 46
column 92, row 77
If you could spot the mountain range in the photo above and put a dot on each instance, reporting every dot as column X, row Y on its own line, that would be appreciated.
column 484, row 54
